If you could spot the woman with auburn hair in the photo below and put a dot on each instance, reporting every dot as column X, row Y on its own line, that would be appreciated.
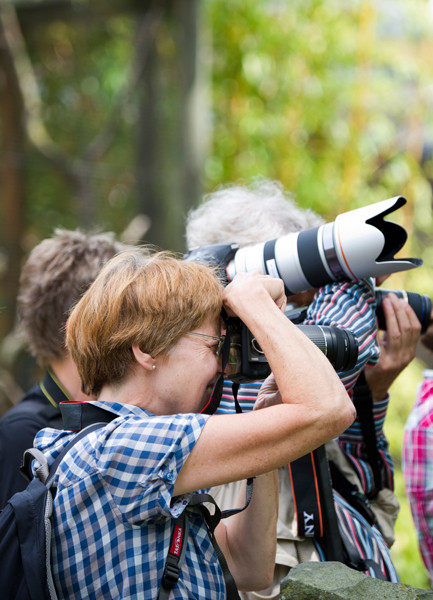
column 146, row 338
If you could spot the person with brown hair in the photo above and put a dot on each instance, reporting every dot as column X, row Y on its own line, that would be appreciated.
column 147, row 339
column 57, row 272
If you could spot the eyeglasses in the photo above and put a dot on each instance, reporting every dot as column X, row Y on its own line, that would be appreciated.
column 220, row 340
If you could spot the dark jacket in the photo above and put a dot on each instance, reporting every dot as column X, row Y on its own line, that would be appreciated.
column 18, row 427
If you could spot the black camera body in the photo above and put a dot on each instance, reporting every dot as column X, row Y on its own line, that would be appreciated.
column 248, row 361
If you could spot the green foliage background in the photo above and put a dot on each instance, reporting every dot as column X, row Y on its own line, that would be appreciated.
column 82, row 66
column 333, row 99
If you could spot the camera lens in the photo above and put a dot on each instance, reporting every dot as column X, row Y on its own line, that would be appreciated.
column 340, row 346
column 359, row 243
column 421, row 305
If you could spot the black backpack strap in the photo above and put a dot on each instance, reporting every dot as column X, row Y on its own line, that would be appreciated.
column 363, row 401
column 175, row 556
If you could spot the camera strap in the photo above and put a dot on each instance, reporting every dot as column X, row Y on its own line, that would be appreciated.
column 313, row 478
column 306, row 497
column 363, row 401
column 217, row 392
column 314, row 503
column 179, row 538
column 77, row 415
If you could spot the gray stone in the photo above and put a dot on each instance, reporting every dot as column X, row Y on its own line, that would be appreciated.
column 335, row 581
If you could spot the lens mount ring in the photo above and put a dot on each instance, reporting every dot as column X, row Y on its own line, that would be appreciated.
column 256, row 346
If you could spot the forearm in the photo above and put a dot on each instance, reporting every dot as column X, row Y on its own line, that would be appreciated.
column 301, row 370
column 248, row 539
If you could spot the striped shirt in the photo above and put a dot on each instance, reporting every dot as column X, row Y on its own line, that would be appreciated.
column 418, row 467
column 114, row 509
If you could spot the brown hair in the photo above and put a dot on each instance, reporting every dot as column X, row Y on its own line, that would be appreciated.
column 56, row 274
column 137, row 299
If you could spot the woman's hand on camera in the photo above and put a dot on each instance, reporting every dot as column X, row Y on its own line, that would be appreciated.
column 247, row 287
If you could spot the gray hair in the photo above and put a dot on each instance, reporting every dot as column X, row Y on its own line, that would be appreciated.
column 247, row 214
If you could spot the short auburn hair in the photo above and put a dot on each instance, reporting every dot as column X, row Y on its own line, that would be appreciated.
column 149, row 300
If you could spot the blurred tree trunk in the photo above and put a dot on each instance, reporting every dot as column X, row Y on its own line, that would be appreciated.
column 171, row 125
column 12, row 177
column 170, row 136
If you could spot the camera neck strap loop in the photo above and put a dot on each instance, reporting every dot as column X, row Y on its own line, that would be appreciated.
column 314, row 503
column 217, row 392
column 235, row 389
column 363, row 401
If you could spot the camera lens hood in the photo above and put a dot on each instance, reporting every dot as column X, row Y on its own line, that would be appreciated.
column 365, row 243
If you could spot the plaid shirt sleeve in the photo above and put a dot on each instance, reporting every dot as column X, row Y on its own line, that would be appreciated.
column 138, row 464
column 418, row 469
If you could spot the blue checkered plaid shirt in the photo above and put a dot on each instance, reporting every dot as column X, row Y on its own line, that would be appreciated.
column 113, row 512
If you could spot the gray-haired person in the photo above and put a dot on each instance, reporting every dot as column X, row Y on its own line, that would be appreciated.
column 259, row 210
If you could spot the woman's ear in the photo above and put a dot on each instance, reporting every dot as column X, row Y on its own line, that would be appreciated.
column 143, row 358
